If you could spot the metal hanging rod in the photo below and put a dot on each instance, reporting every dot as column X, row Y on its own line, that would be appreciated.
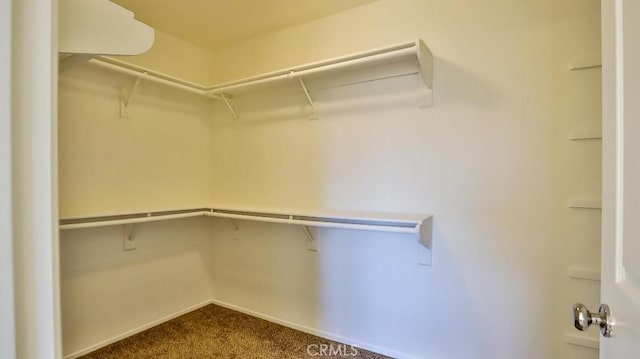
column 418, row 225
column 151, row 75
column 416, row 49
column 129, row 218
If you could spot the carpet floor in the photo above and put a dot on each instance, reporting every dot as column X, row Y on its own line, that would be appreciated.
column 217, row 332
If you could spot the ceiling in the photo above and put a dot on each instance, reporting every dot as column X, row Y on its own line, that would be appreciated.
column 212, row 24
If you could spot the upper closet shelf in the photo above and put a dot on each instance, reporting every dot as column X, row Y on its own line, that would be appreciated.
column 99, row 27
column 409, row 50
column 415, row 52
column 418, row 225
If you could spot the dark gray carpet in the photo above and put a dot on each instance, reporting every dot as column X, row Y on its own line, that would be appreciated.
column 217, row 332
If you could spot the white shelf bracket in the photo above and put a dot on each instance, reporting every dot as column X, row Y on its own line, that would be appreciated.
column 308, row 95
column 313, row 115
column 226, row 102
column 235, row 225
column 128, row 237
column 236, row 229
column 126, row 101
column 306, row 91
column 312, row 244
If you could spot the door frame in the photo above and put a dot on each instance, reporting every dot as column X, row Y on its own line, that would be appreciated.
column 611, row 189
column 7, row 324
column 34, row 201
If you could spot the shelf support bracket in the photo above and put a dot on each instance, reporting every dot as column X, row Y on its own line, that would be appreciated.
column 308, row 95
column 226, row 102
column 236, row 229
column 312, row 244
column 306, row 92
column 126, row 101
column 234, row 224
column 128, row 237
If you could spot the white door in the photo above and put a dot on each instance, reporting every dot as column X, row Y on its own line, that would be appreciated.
column 621, row 176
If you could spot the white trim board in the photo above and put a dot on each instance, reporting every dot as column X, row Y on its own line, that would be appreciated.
column 34, row 89
column 585, row 64
column 134, row 331
column 302, row 328
column 7, row 324
column 582, row 341
column 585, row 135
column 582, row 273
column 319, row 333
column 585, row 203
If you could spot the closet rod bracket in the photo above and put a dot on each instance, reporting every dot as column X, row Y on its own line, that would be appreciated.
column 309, row 99
column 312, row 243
column 125, row 101
column 236, row 229
column 235, row 225
column 226, row 102
column 128, row 237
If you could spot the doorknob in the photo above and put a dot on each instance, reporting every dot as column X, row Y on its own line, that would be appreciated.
column 583, row 318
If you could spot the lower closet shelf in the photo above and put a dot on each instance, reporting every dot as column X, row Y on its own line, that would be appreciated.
column 417, row 224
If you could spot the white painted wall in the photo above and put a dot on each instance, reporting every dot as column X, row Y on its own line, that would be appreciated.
column 7, row 325
column 156, row 159
column 108, row 293
column 490, row 160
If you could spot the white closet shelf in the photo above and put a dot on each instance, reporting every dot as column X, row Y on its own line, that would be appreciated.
column 91, row 28
column 416, row 51
column 418, row 225
column 585, row 203
column 128, row 218
column 584, row 274
column 582, row 340
column 585, row 135
column 147, row 74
